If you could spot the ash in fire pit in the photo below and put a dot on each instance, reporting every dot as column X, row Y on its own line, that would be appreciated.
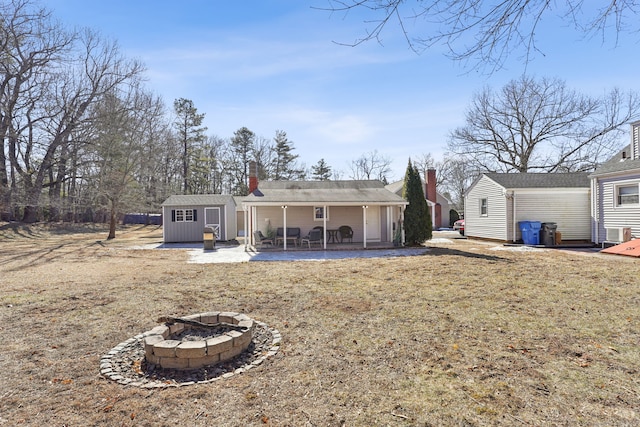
column 192, row 342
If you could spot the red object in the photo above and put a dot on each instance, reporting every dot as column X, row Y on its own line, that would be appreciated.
column 630, row 248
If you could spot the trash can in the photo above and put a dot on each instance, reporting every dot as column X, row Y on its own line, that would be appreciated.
column 209, row 238
column 530, row 232
column 548, row 233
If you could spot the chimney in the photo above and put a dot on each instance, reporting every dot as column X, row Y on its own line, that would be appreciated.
column 430, row 185
column 253, row 176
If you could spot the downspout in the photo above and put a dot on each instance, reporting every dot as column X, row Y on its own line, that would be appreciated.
column 595, row 210
column 515, row 224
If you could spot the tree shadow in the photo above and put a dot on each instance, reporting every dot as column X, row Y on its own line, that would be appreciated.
column 437, row 251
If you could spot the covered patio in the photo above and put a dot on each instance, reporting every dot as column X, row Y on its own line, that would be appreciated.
column 373, row 213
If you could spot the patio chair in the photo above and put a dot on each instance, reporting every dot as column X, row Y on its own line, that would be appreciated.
column 314, row 236
column 262, row 239
column 345, row 233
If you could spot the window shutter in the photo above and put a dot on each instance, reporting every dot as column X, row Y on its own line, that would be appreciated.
column 195, row 215
column 173, row 215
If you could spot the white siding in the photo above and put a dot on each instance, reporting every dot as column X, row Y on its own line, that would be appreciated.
column 494, row 225
column 302, row 216
column 568, row 208
column 609, row 215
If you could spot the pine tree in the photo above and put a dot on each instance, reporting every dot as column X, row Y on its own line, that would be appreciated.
column 417, row 220
column 284, row 164
column 321, row 171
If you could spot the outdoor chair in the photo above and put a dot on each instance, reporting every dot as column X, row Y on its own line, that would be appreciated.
column 262, row 239
column 314, row 236
column 345, row 233
column 293, row 234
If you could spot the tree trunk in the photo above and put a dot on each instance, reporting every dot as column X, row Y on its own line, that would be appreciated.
column 112, row 221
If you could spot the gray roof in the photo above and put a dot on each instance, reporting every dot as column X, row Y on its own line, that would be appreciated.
column 323, row 192
column 618, row 164
column 197, row 200
column 541, row 180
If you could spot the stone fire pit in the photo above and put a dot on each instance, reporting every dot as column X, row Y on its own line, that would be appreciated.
column 198, row 340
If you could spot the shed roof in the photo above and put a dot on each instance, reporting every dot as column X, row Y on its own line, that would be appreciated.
column 323, row 192
column 541, row 180
column 618, row 164
column 197, row 200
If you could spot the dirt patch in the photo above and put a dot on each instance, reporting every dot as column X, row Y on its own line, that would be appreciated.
column 463, row 335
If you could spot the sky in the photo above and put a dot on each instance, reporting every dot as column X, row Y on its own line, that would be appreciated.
column 286, row 65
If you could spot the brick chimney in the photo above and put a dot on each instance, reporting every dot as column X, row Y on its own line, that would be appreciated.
column 430, row 185
column 253, row 176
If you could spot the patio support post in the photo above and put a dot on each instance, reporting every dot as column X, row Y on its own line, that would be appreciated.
column 324, row 226
column 284, row 220
column 364, row 226
column 246, row 224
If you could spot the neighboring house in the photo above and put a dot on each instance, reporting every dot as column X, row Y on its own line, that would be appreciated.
column 615, row 187
column 439, row 205
column 185, row 217
column 372, row 211
column 496, row 202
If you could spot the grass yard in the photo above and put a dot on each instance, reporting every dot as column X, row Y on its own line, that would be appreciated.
column 465, row 336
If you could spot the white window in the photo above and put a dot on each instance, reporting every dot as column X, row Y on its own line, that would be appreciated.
column 184, row 215
column 319, row 213
column 484, row 210
column 627, row 195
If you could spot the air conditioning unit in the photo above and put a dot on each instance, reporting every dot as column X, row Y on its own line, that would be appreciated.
column 618, row 234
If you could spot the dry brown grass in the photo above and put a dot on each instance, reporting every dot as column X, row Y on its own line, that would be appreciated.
column 462, row 336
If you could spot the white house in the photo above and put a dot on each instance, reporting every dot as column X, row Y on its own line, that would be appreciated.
column 496, row 202
column 615, row 187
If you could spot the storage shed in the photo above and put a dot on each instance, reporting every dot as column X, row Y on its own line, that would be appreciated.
column 496, row 202
column 185, row 217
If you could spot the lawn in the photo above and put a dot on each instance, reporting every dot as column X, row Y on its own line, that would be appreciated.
column 465, row 335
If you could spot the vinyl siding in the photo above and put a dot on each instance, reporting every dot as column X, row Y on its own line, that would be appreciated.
column 175, row 232
column 492, row 226
column 302, row 216
column 608, row 214
column 568, row 208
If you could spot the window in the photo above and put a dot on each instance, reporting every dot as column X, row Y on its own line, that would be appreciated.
column 627, row 194
column 484, row 207
column 319, row 213
column 184, row 215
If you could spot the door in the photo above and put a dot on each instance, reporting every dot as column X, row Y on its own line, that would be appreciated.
column 373, row 224
column 212, row 219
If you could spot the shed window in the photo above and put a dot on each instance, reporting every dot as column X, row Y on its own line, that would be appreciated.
column 185, row 215
column 627, row 194
column 484, row 210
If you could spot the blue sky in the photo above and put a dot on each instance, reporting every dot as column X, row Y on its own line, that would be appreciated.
column 274, row 65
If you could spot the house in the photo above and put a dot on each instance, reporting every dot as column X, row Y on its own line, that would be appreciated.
column 496, row 202
column 373, row 212
column 185, row 217
column 615, row 206
column 438, row 204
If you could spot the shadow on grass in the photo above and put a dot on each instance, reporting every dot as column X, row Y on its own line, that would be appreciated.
column 456, row 252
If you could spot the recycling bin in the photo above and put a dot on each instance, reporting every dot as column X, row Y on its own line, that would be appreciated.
column 530, row 232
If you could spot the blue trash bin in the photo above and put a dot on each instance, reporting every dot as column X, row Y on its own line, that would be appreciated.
column 530, row 232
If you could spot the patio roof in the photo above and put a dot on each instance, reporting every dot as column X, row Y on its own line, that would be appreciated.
column 323, row 192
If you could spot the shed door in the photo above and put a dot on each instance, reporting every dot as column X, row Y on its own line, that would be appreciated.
column 212, row 219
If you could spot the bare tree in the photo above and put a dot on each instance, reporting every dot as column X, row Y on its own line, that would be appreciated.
column 541, row 125
column 372, row 165
column 485, row 33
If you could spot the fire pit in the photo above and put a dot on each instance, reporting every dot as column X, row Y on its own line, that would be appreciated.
column 198, row 340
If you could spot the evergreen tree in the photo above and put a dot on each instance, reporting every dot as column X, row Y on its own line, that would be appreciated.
column 321, row 171
column 241, row 147
column 284, row 166
column 417, row 219
column 191, row 134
